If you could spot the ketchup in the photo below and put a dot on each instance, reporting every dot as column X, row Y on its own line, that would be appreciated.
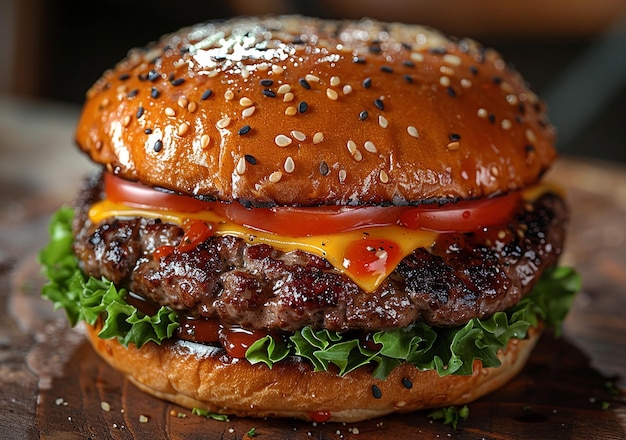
column 371, row 257
column 320, row 416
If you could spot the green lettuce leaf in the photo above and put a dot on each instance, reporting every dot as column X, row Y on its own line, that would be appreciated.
column 448, row 351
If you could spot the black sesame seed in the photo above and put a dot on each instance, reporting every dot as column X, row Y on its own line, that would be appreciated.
column 297, row 41
column 139, row 112
column 380, row 105
column 454, row 137
column 266, row 82
column 406, row 382
column 438, row 50
column 367, row 82
column 473, row 70
column 324, row 170
column 522, row 108
column 177, row 81
column 206, row 94
column 358, row 60
column 250, row 159
column 158, row 145
column 376, row 392
column 529, row 148
column 497, row 80
column 124, row 76
column 386, row 69
column 304, row 83
column 363, row 115
column 153, row 75
column 492, row 118
column 374, row 48
column 154, row 93
column 244, row 130
column 269, row 93
column 451, row 92
column 133, row 93
column 408, row 63
column 148, row 131
column 303, row 107
column 408, row 78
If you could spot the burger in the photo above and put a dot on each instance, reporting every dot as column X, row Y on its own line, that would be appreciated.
column 325, row 220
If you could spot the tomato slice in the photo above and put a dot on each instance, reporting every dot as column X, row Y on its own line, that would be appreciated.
column 464, row 216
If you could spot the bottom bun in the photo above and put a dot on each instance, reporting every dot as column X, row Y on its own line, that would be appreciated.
column 198, row 376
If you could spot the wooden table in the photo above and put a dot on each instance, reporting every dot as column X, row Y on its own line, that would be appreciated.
column 53, row 386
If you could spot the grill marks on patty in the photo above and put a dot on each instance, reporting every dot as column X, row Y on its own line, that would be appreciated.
column 461, row 277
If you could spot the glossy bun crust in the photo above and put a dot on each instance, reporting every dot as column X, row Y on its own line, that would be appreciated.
column 197, row 376
column 299, row 111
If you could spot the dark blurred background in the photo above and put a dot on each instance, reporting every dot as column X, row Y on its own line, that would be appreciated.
column 573, row 52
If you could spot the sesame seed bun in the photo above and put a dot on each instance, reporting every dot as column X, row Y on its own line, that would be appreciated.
column 300, row 111
column 197, row 376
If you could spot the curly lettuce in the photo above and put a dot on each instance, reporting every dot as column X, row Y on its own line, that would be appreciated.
column 446, row 350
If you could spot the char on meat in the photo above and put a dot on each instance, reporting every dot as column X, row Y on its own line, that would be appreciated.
column 463, row 276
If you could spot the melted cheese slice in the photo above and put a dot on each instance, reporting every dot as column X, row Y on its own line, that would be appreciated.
column 332, row 247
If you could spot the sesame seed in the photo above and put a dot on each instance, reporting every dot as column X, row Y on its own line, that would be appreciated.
column 148, row 131
column 206, row 94
column 282, row 141
column 511, row 99
column 105, row 406
column 453, row 146
column 304, row 83
column 347, row 89
column 453, row 60
column 417, row 57
column 244, row 130
column 223, row 123
column 335, row 81
column 438, row 50
column 153, row 75
column 454, row 137
column 229, row 95
column 245, row 102
column 351, row 146
column 283, row 89
column 269, row 93
column 247, row 112
column 408, row 63
column 342, row 176
column 412, row 131
column 382, row 121
column 133, row 93
column 408, row 79
column 506, row 124
column 495, row 171
column 324, row 170
column 182, row 129
column 318, row 137
column 506, row 87
column 482, row 113
column 205, row 140
column 266, row 82
column 379, row 104
column 277, row 69
column 312, row 78
column 363, row 115
column 444, row 81
column 177, row 81
column 290, row 111
column 182, row 102
column 331, row 94
column 367, row 83
column 358, row 60
column 154, row 93
column 191, row 107
column 451, row 92
column 466, row 83
column 358, row 156
column 386, row 69
column 158, row 145
column 139, row 112
column 126, row 120
column 530, row 135
column 303, row 107
column 276, row 176
column 124, row 76
column 298, row 135
column 376, row 392
column 383, row 176
column 445, row 70
column 169, row 111
column 241, row 166
column 369, row 146
column 289, row 165
column 250, row 159
column 288, row 97
column 492, row 118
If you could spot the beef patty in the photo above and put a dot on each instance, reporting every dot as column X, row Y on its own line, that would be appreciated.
column 462, row 276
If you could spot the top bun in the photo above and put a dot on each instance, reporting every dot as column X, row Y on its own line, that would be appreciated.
column 300, row 111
